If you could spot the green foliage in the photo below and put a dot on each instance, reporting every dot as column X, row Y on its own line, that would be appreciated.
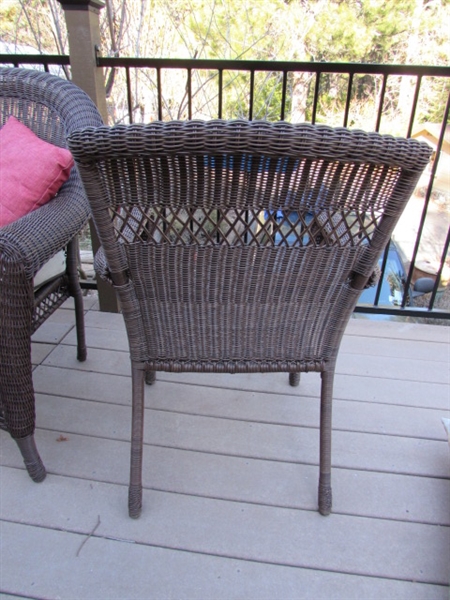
column 375, row 31
column 238, row 29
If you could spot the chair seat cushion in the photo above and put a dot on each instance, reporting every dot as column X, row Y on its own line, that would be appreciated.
column 54, row 267
column 31, row 170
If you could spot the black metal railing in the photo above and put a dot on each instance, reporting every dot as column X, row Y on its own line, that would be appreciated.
column 283, row 71
column 215, row 78
column 399, row 97
column 55, row 63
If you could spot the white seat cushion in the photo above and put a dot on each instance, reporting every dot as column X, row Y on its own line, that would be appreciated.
column 54, row 267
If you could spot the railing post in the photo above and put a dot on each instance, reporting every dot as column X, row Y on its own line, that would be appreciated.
column 83, row 28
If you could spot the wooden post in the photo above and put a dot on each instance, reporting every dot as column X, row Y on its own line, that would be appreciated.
column 83, row 28
column 82, row 19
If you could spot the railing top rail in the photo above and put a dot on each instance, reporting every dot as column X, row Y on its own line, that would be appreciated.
column 273, row 65
column 238, row 65
column 36, row 59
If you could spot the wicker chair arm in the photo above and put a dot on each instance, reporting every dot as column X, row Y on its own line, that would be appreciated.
column 32, row 240
column 53, row 108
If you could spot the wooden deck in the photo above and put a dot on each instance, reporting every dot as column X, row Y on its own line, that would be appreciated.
column 231, row 477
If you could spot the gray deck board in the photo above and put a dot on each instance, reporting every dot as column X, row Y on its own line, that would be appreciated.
column 364, row 417
column 257, row 533
column 230, row 476
column 407, row 455
column 292, row 485
column 109, row 567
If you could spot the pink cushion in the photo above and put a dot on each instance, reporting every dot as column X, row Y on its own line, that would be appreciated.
column 31, row 170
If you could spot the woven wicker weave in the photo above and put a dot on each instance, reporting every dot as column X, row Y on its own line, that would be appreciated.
column 52, row 108
column 241, row 246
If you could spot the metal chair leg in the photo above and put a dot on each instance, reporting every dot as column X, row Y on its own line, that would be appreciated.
column 137, row 440
column 325, row 495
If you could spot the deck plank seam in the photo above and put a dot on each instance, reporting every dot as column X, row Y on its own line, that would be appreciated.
column 224, row 555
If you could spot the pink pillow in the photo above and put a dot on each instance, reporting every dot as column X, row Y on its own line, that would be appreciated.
column 31, row 170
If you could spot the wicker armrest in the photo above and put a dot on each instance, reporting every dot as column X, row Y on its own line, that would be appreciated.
column 36, row 237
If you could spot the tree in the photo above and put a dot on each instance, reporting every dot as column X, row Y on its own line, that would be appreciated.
column 374, row 31
column 383, row 31
column 34, row 23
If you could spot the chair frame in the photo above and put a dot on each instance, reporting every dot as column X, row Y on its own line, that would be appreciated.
column 51, row 107
column 154, row 190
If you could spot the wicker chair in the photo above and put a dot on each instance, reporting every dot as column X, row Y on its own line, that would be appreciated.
column 52, row 108
column 241, row 247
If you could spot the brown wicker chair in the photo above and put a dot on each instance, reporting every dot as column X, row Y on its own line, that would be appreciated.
column 240, row 247
column 52, row 108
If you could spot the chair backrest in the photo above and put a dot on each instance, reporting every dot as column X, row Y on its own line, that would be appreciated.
column 50, row 106
column 242, row 246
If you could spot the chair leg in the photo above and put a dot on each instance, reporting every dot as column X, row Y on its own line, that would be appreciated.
column 77, row 294
column 325, row 496
column 294, row 379
column 79, row 320
column 17, row 399
column 150, row 377
column 137, row 440
column 31, row 458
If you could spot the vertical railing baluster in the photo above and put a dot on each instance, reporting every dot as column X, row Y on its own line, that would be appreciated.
column 129, row 96
column 252, row 94
column 158, row 84
column 283, row 96
column 316, row 97
column 189, row 91
column 348, row 99
column 381, row 103
column 220, row 73
column 414, row 106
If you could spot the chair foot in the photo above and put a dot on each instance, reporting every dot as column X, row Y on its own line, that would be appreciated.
column 82, row 354
column 135, row 501
column 31, row 458
column 294, row 379
column 150, row 377
column 325, row 498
